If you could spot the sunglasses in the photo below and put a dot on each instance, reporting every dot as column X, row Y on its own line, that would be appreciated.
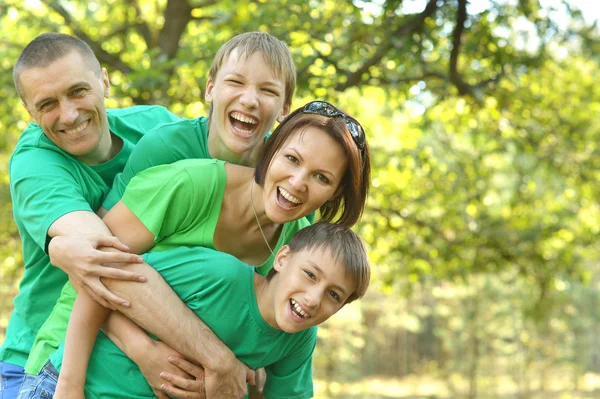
column 323, row 108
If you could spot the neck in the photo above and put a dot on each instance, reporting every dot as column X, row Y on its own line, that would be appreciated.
column 264, row 299
column 218, row 150
column 108, row 147
column 257, row 204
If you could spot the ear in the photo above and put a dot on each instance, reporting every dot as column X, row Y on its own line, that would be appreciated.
column 285, row 111
column 281, row 258
column 105, row 82
column 208, row 92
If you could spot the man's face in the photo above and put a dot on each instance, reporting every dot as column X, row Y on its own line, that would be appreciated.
column 66, row 98
column 247, row 98
column 310, row 286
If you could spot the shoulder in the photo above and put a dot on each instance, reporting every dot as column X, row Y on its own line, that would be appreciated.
column 140, row 118
column 186, row 171
column 143, row 111
column 202, row 262
column 34, row 151
column 185, row 138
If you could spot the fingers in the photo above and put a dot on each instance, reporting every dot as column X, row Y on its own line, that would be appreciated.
column 90, row 291
column 118, row 257
column 194, row 392
column 159, row 394
column 118, row 274
column 188, row 367
column 250, row 376
column 110, row 241
column 104, row 297
column 187, row 384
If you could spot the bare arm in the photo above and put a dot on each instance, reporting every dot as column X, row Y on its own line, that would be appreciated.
column 74, row 249
column 130, row 230
column 84, row 324
column 180, row 328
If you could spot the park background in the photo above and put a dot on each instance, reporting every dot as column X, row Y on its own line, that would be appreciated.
column 482, row 214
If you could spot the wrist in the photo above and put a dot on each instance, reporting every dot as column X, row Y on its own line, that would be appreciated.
column 222, row 363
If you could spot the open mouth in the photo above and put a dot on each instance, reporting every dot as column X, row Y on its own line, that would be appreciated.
column 286, row 199
column 77, row 129
column 298, row 311
column 243, row 124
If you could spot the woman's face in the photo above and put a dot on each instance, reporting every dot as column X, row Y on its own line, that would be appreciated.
column 304, row 174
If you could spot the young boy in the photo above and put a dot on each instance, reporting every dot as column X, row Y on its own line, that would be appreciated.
column 267, row 321
column 251, row 83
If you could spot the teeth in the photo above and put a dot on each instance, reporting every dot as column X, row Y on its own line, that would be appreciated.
column 289, row 196
column 299, row 309
column 77, row 129
column 243, row 118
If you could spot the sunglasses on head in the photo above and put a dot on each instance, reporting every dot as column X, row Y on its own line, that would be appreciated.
column 323, row 108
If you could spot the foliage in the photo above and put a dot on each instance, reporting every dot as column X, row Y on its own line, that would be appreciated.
column 480, row 116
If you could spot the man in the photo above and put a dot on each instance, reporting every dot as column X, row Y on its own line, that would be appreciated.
column 60, row 172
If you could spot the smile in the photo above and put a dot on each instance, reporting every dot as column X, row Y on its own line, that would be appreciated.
column 243, row 123
column 298, row 311
column 77, row 129
column 289, row 198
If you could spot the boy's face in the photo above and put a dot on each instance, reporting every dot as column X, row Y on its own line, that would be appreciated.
column 309, row 287
column 247, row 98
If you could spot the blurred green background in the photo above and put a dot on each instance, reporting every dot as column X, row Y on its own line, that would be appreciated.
column 483, row 211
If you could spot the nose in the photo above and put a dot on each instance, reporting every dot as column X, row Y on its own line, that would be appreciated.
column 298, row 180
column 312, row 296
column 249, row 98
column 68, row 113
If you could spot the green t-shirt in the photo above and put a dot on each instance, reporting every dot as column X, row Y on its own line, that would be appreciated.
column 45, row 184
column 169, row 143
column 225, row 299
column 180, row 204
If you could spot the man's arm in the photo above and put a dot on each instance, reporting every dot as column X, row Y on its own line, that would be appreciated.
column 74, row 248
column 180, row 328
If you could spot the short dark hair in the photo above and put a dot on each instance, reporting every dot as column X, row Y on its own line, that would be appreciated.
column 46, row 49
column 355, row 182
column 343, row 244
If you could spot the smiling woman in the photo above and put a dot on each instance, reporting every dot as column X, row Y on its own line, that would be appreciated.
column 314, row 160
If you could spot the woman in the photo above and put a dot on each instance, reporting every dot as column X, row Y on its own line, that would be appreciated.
column 317, row 158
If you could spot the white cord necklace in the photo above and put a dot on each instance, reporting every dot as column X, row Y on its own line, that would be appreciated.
column 256, row 217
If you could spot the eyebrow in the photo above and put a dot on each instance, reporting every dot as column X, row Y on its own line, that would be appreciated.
column 320, row 271
column 318, row 170
column 39, row 103
column 268, row 82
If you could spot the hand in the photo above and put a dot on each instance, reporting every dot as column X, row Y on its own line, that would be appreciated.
column 229, row 382
column 184, row 388
column 81, row 258
column 156, row 367
column 255, row 391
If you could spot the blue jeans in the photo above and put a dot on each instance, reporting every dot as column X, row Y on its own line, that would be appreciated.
column 41, row 386
column 12, row 377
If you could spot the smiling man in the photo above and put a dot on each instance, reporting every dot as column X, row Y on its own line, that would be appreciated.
column 62, row 168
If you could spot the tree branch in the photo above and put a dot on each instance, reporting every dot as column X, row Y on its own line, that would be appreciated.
column 455, row 78
column 354, row 78
column 178, row 14
column 103, row 56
